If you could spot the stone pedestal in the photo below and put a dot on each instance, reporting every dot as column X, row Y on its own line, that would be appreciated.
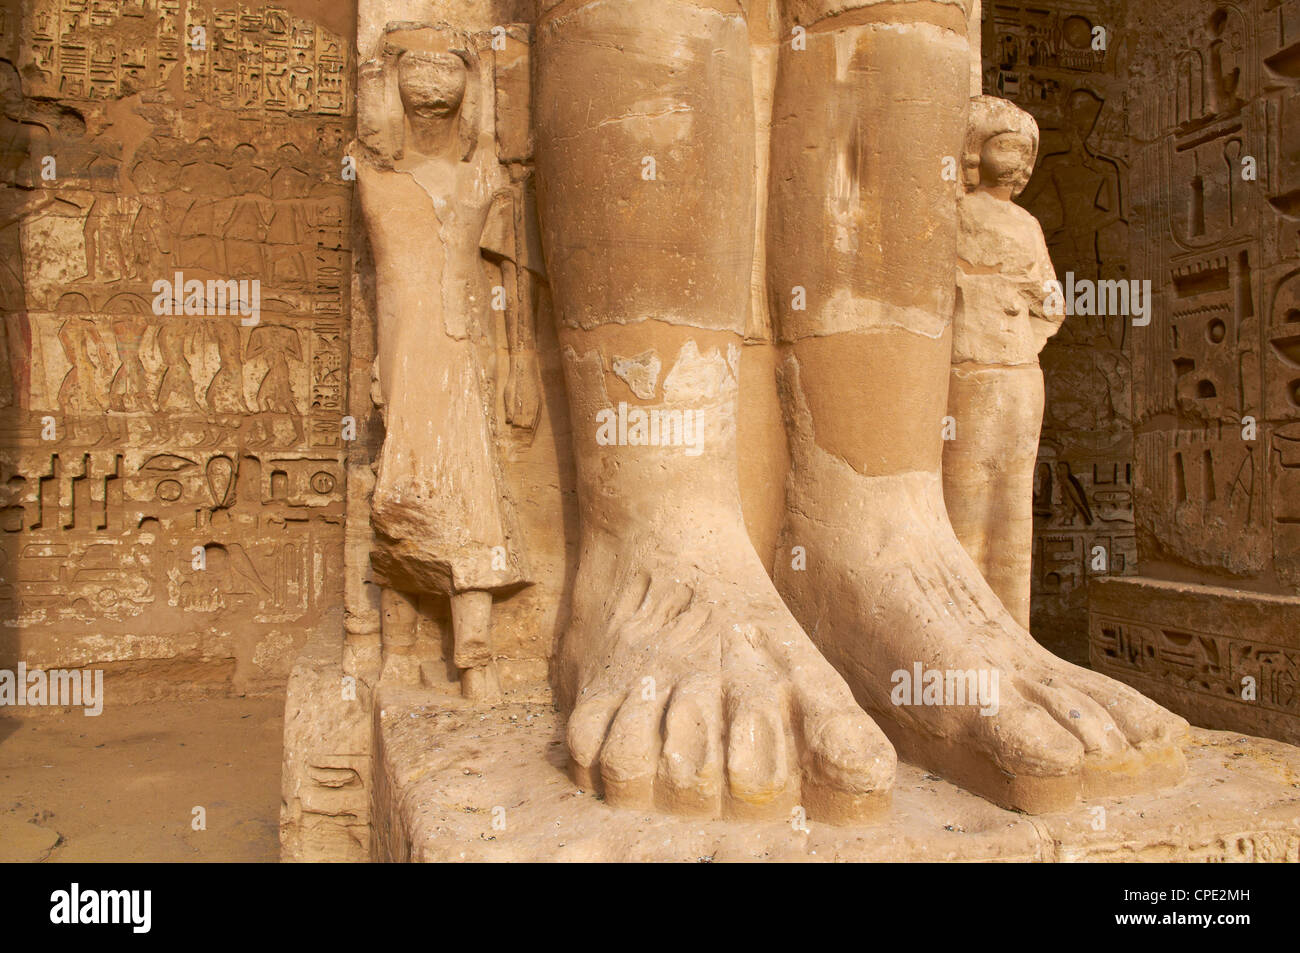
column 459, row 783
column 1222, row 658
column 325, row 779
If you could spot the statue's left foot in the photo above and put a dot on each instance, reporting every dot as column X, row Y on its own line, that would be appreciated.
column 896, row 604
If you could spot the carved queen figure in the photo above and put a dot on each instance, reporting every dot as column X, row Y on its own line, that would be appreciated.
column 428, row 180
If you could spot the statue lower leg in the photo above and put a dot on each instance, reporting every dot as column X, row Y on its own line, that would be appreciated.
column 863, row 220
column 689, row 684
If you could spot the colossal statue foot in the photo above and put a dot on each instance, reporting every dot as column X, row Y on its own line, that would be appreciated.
column 869, row 113
column 900, row 609
column 690, row 686
column 695, row 691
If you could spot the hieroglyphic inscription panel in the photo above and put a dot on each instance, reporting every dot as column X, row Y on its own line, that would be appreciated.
column 171, row 478
column 1217, row 373
column 1223, row 658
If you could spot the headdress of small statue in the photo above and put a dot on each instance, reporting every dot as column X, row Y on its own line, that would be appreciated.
column 992, row 116
column 429, row 69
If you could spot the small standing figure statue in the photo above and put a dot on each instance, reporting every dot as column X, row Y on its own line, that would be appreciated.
column 1002, row 322
column 429, row 185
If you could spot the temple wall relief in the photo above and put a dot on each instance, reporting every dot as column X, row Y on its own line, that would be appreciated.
column 173, row 469
column 1216, row 407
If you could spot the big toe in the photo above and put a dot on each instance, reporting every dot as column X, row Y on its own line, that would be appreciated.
column 1025, row 739
column 847, row 751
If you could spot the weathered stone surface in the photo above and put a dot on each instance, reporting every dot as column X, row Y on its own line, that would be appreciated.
column 447, row 771
column 1215, row 409
column 1214, row 377
column 1001, row 322
column 677, row 646
column 325, row 782
column 423, row 440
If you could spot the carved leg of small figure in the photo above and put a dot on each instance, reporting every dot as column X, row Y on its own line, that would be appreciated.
column 399, row 627
column 471, row 623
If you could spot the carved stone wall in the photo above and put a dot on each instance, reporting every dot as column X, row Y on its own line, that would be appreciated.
column 173, row 479
column 1215, row 122
column 1042, row 57
column 1216, row 188
column 338, row 772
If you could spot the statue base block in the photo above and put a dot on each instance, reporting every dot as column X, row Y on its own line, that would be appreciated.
column 459, row 782
column 1226, row 657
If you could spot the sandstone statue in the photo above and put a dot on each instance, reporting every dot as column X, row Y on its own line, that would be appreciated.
column 1002, row 321
column 694, row 680
column 429, row 182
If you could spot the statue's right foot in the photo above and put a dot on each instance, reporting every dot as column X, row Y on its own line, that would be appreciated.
column 694, row 690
